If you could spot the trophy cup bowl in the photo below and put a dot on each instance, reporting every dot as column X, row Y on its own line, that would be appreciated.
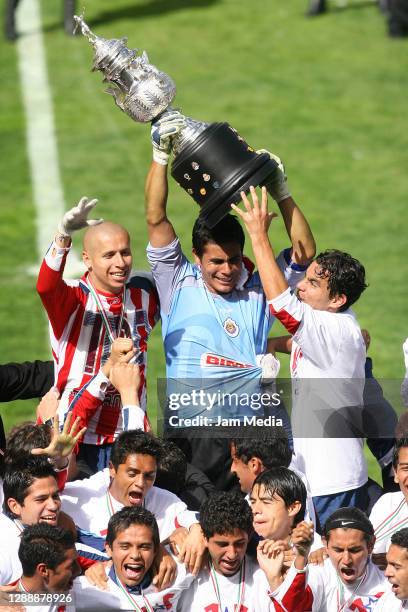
column 212, row 163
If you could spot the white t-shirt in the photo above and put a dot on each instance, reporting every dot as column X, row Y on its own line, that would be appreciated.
column 88, row 597
column 319, row 589
column 207, row 590
column 389, row 603
column 90, row 505
column 10, row 566
column 389, row 514
column 327, row 368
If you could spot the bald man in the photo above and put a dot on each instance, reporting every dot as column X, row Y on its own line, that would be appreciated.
column 86, row 316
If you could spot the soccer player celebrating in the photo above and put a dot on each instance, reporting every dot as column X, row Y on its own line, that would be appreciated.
column 129, row 482
column 85, row 317
column 390, row 513
column 397, row 574
column 31, row 496
column 269, row 449
column 232, row 581
column 49, row 566
column 327, row 363
column 215, row 322
column 132, row 542
column 348, row 580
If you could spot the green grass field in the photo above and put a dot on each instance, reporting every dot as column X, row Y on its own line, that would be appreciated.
column 328, row 95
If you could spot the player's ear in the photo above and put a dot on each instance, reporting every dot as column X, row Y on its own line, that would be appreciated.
column 294, row 508
column 112, row 470
column 14, row 506
column 338, row 301
column 42, row 570
column 108, row 550
column 196, row 258
column 255, row 465
column 87, row 260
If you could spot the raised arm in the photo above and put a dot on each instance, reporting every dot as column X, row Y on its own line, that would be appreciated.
column 257, row 220
column 160, row 230
column 297, row 227
column 58, row 298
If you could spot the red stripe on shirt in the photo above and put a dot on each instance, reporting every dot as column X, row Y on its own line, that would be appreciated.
column 289, row 322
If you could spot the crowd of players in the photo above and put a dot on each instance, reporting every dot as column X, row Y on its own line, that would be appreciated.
column 100, row 513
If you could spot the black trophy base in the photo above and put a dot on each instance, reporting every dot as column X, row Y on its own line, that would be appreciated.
column 216, row 167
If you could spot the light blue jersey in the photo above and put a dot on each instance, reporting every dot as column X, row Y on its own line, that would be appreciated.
column 211, row 341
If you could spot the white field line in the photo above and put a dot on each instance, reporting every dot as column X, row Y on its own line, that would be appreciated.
column 40, row 131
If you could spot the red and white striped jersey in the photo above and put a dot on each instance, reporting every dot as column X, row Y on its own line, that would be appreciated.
column 81, row 345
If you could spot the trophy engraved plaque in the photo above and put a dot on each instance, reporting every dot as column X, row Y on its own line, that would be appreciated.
column 212, row 163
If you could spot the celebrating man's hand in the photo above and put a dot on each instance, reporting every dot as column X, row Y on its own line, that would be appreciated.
column 62, row 443
column 77, row 217
column 278, row 185
column 126, row 378
column 257, row 219
column 162, row 132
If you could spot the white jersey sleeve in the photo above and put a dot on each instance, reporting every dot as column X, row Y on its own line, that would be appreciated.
column 389, row 514
column 317, row 332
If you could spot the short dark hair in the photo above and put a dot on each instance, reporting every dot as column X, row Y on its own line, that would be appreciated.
column 23, row 438
column 400, row 538
column 172, row 469
column 20, row 475
column 223, row 512
column 135, row 442
column 355, row 519
column 288, row 485
column 346, row 275
column 400, row 443
column 43, row 543
column 228, row 230
column 269, row 444
column 132, row 515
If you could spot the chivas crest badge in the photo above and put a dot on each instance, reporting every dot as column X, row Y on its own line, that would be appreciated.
column 231, row 327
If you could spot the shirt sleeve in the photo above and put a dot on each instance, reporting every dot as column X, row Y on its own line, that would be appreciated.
column 58, row 298
column 168, row 265
column 89, row 398
column 292, row 271
column 317, row 332
column 31, row 379
column 296, row 594
column 378, row 516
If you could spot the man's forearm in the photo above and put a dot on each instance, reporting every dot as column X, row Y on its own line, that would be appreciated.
column 280, row 344
column 273, row 281
column 299, row 232
column 161, row 232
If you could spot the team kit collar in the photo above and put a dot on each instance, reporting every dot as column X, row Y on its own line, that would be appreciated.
column 342, row 605
column 131, row 592
column 387, row 527
column 240, row 590
column 109, row 329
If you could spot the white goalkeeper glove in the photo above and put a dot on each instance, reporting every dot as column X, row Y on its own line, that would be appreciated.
column 162, row 132
column 278, row 185
column 77, row 217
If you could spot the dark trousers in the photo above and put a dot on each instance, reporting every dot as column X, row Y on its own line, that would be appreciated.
column 10, row 22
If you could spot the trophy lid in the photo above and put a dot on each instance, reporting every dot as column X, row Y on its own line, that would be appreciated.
column 141, row 90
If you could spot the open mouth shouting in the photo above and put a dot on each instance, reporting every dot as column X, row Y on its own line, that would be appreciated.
column 348, row 574
column 134, row 571
column 135, row 498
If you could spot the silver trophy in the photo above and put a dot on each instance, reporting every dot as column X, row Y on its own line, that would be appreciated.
column 212, row 163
